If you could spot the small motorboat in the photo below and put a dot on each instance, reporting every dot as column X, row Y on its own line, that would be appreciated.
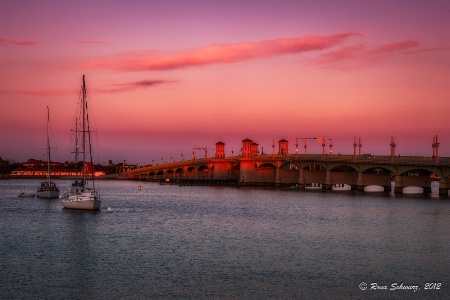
column 24, row 195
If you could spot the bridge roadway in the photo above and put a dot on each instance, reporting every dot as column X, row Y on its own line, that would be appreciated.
column 305, row 171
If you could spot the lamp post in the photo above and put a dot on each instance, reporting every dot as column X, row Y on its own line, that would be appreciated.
column 393, row 145
column 359, row 146
column 305, row 146
column 323, row 145
column 331, row 146
column 194, row 151
column 435, row 147
column 273, row 148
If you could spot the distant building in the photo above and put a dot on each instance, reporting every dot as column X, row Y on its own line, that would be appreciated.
column 34, row 163
column 38, row 168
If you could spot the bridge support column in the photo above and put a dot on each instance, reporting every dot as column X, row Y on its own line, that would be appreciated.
column 301, row 180
column 398, row 184
column 427, row 188
column 444, row 186
column 359, row 186
column 277, row 177
column 328, row 182
column 360, row 182
column 388, row 186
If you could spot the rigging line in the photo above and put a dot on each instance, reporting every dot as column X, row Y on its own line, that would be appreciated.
column 90, row 145
column 94, row 120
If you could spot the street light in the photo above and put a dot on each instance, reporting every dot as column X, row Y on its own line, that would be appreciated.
column 194, row 151
column 435, row 147
column 305, row 146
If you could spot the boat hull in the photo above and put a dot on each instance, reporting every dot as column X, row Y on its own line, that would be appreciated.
column 48, row 194
column 85, row 204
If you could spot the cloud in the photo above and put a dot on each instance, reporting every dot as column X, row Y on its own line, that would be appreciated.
column 219, row 53
column 8, row 42
column 393, row 47
column 425, row 50
column 360, row 55
column 345, row 53
column 43, row 92
column 91, row 42
column 115, row 88
column 129, row 86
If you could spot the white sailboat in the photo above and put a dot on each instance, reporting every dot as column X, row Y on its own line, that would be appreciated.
column 48, row 189
column 83, row 194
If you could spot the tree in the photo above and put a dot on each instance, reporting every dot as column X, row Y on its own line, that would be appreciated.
column 4, row 166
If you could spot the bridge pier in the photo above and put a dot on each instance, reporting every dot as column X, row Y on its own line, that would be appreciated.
column 328, row 182
column 444, row 186
column 427, row 189
column 359, row 183
column 277, row 177
column 398, row 184
column 301, row 180
column 388, row 187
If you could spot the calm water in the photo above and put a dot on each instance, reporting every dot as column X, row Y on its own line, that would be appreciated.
column 171, row 242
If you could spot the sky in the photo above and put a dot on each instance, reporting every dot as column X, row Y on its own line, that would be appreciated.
column 165, row 77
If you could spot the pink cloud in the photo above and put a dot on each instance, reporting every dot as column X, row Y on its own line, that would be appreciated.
column 44, row 92
column 220, row 53
column 116, row 88
column 394, row 47
column 124, row 87
column 360, row 55
column 7, row 42
column 427, row 50
column 91, row 42
column 345, row 53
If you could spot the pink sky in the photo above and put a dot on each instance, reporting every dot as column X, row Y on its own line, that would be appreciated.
column 166, row 76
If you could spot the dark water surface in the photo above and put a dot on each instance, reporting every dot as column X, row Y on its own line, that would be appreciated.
column 171, row 242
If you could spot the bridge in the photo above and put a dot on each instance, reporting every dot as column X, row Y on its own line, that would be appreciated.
column 304, row 171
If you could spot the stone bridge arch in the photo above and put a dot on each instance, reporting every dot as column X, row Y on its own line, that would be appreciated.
column 342, row 175
column 203, row 171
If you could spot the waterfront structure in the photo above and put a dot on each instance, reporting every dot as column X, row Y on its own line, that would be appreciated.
column 56, row 173
column 251, row 168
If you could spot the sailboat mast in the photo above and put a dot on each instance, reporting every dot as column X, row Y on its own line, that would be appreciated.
column 48, row 146
column 83, row 139
column 76, row 144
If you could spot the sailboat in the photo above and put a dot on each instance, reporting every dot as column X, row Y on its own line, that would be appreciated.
column 48, row 189
column 82, row 194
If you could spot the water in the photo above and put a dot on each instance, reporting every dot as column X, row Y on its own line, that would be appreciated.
column 171, row 242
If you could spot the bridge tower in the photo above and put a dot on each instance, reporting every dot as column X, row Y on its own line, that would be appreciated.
column 247, row 163
column 247, row 148
column 283, row 147
column 222, row 167
column 220, row 150
column 255, row 149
